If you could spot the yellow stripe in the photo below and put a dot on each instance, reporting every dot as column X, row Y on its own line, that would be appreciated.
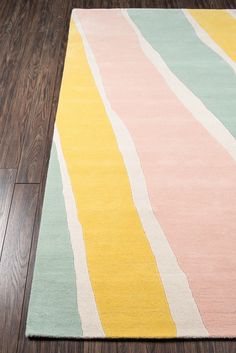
column 220, row 26
column 124, row 276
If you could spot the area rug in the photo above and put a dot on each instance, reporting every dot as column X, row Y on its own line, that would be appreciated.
column 138, row 229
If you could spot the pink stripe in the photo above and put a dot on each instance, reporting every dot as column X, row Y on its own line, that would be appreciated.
column 191, row 180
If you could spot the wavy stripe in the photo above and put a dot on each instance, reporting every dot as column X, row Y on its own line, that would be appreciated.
column 126, row 283
column 220, row 26
column 232, row 13
column 209, row 77
column 207, row 40
column 172, row 276
column 91, row 324
column 189, row 175
column 186, row 97
column 53, row 307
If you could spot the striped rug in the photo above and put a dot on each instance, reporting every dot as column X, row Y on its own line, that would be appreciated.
column 138, row 230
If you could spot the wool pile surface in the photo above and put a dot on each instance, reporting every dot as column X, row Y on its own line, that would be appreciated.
column 138, row 229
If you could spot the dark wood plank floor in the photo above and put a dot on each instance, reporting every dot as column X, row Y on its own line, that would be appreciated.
column 33, row 35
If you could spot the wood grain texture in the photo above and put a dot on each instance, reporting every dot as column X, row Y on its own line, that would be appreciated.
column 33, row 36
column 14, row 264
column 14, row 44
column 32, row 155
column 20, row 108
column 7, row 180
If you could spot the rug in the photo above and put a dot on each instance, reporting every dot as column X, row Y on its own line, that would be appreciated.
column 138, row 229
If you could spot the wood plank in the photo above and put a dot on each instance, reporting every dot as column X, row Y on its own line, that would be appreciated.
column 9, row 14
column 20, row 107
column 12, row 55
column 102, row 346
column 160, row 346
column 32, row 157
column 14, row 264
column 7, row 179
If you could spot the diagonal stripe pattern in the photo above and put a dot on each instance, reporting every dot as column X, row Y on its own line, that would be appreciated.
column 138, row 227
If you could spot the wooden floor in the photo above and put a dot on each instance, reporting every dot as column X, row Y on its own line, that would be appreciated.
column 33, row 39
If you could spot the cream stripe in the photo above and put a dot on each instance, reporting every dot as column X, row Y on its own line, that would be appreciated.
column 188, row 99
column 179, row 296
column 207, row 40
column 87, row 308
column 232, row 13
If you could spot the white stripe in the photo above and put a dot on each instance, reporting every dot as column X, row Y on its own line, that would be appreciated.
column 87, row 308
column 232, row 13
column 207, row 40
column 182, row 305
column 188, row 99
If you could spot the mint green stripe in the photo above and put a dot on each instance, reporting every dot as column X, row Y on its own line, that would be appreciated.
column 53, row 308
column 203, row 71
